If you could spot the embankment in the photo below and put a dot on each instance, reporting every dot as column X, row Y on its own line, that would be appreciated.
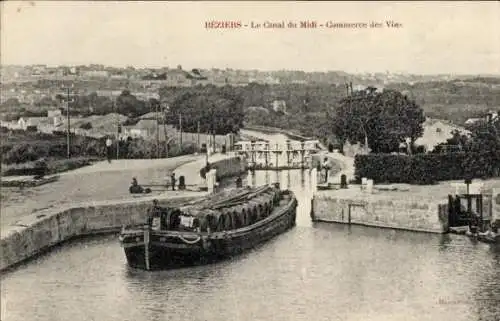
column 374, row 210
column 42, row 230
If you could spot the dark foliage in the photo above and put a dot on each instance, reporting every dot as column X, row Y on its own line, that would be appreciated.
column 422, row 168
column 380, row 119
column 217, row 110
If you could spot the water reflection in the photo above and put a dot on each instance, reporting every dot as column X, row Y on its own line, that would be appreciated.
column 315, row 271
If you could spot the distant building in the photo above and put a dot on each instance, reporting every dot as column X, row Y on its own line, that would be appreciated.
column 437, row 132
column 258, row 109
column 34, row 122
column 492, row 116
column 279, row 106
column 95, row 74
column 471, row 121
column 54, row 113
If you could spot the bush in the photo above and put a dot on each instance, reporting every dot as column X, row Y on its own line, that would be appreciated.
column 53, row 166
column 86, row 126
column 421, row 168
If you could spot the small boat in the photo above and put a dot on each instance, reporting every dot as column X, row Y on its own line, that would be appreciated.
column 207, row 230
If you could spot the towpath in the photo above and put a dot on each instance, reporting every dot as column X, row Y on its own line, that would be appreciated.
column 98, row 182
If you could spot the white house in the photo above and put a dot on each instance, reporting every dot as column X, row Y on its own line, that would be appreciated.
column 38, row 122
column 436, row 132
column 279, row 106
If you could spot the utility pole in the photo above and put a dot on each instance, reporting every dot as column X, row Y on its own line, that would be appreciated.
column 117, row 129
column 180, row 130
column 165, row 129
column 212, row 127
column 157, row 132
column 68, row 134
column 198, row 138
column 68, row 139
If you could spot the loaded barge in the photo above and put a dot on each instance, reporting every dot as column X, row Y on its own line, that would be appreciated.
column 207, row 230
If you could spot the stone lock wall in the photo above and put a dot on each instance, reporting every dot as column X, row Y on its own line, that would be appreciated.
column 425, row 217
column 37, row 233
column 45, row 229
column 229, row 167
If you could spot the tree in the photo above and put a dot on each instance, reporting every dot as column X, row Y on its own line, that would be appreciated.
column 46, row 101
column 217, row 110
column 484, row 147
column 11, row 102
column 128, row 104
column 380, row 120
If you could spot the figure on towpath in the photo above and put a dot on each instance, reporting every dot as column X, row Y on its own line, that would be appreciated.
column 109, row 142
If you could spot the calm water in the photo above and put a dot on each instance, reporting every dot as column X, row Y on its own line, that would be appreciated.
column 312, row 272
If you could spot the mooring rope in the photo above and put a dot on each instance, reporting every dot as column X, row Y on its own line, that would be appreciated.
column 188, row 241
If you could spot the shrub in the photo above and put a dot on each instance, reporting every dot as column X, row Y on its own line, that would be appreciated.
column 53, row 166
column 421, row 168
column 86, row 126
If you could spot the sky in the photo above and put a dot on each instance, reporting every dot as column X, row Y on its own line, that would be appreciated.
column 435, row 37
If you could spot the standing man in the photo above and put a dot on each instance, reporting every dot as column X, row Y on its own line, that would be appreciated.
column 172, row 181
column 109, row 143
column 326, row 166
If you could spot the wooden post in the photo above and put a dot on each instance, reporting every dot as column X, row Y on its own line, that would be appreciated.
column 146, row 247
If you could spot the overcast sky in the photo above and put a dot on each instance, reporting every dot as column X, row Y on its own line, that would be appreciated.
column 436, row 37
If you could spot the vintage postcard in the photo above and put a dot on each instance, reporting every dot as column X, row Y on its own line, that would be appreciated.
column 250, row 160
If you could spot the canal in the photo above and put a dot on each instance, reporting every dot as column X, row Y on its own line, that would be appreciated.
column 312, row 272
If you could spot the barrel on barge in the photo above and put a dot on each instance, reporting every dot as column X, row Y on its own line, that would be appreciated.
column 217, row 227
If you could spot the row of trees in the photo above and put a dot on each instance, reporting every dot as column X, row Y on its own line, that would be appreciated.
column 210, row 109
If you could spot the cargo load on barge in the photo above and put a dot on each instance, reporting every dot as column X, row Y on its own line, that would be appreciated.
column 216, row 227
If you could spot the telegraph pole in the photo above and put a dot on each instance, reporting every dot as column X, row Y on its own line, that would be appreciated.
column 68, row 140
column 165, row 129
column 157, row 132
column 117, row 129
column 180, row 130
column 68, row 120
column 198, row 138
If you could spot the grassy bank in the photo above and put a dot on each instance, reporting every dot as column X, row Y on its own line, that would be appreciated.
column 22, row 151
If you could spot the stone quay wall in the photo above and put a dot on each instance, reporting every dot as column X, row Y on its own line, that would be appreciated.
column 397, row 214
column 230, row 167
column 45, row 229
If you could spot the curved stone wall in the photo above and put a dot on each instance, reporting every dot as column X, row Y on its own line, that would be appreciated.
column 42, row 230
